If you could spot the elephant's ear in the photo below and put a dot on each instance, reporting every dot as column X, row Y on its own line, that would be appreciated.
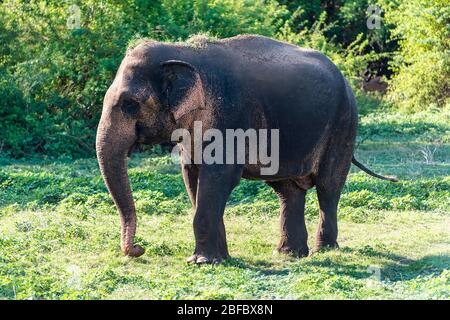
column 182, row 88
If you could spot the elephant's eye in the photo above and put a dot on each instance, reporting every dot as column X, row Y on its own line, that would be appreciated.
column 130, row 107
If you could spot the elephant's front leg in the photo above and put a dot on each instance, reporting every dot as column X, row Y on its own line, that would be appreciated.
column 215, row 183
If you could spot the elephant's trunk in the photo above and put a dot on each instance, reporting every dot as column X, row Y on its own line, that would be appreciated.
column 115, row 136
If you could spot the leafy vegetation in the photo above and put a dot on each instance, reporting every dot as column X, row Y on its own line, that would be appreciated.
column 54, row 73
column 422, row 63
column 59, row 230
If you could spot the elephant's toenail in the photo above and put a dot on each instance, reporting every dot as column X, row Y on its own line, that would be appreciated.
column 202, row 260
column 191, row 259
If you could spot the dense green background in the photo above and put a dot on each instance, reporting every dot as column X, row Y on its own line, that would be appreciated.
column 53, row 79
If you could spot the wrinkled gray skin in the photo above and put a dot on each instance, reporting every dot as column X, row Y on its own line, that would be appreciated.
column 240, row 82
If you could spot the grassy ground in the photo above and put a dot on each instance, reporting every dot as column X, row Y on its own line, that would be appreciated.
column 59, row 232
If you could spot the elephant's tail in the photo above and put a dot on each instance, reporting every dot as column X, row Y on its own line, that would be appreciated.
column 370, row 172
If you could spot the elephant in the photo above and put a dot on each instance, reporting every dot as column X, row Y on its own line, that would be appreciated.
column 246, row 82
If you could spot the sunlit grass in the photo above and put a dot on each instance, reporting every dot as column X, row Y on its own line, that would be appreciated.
column 59, row 231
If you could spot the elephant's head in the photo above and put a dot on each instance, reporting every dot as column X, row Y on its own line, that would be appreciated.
column 148, row 99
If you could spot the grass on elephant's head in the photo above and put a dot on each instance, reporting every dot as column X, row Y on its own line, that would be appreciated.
column 195, row 41
column 59, row 230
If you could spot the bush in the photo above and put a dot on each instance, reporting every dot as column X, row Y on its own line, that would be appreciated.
column 422, row 63
column 53, row 78
column 13, row 121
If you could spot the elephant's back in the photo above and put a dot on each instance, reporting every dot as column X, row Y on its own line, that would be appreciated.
column 289, row 78
column 270, row 51
column 254, row 58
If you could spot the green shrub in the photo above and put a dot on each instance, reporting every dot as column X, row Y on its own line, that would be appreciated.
column 26, row 125
column 53, row 79
column 422, row 63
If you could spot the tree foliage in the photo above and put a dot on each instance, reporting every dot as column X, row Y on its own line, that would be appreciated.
column 53, row 77
column 422, row 63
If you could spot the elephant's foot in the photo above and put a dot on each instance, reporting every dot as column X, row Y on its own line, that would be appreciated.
column 133, row 251
column 298, row 252
column 324, row 246
column 198, row 258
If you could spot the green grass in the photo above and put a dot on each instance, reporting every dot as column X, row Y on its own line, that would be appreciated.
column 59, row 231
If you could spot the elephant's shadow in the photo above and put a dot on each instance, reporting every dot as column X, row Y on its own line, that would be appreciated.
column 392, row 267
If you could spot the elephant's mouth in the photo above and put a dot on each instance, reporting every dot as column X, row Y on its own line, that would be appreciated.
column 135, row 147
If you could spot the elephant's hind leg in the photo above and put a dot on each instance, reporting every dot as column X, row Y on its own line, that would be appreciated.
column 294, row 235
column 329, row 184
column 327, row 230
